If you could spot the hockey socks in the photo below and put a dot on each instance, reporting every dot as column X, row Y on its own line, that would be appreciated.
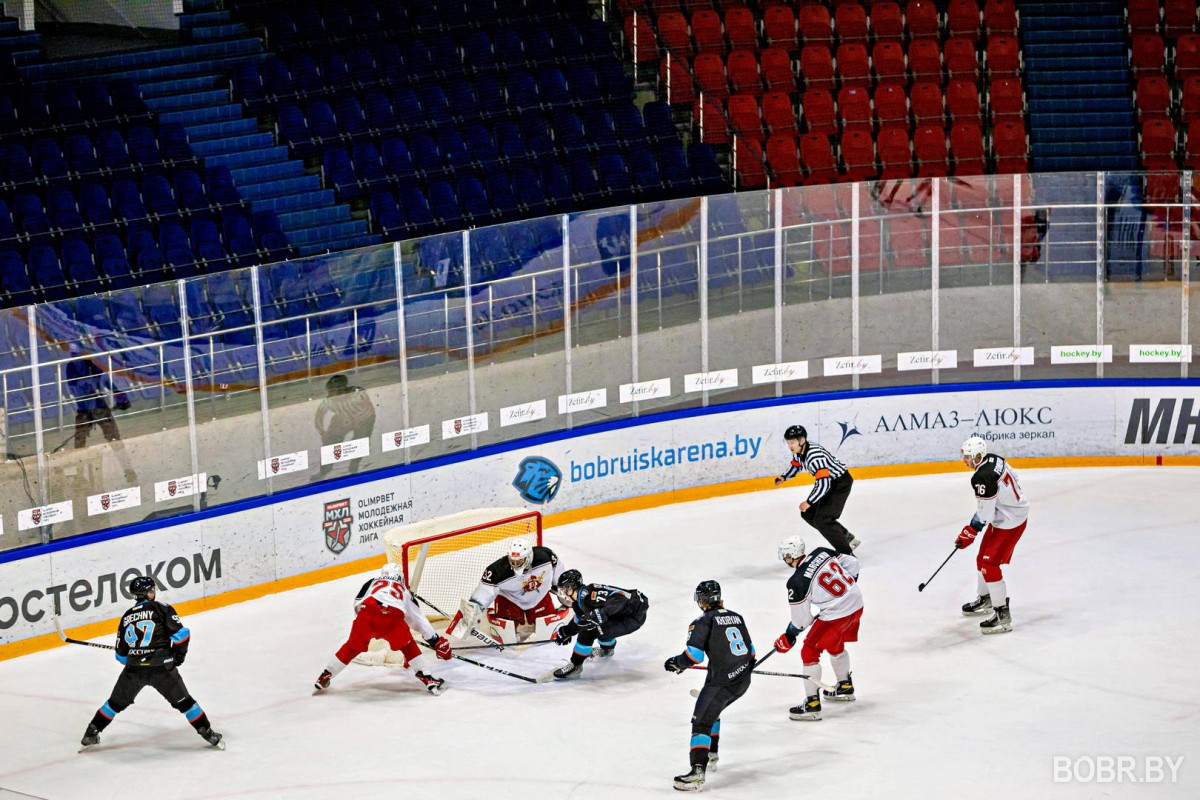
column 998, row 593
column 103, row 716
column 701, row 746
column 814, row 672
column 580, row 653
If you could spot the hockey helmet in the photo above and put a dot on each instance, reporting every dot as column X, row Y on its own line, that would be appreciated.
column 519, row 554
column 141, row 586
column 795, row 432
column 392, row 572
column 792, row 547
column 973, row 450
column 708, row 594
column 337, row 384
column 569, row 581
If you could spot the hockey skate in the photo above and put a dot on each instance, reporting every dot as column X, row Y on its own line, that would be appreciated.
column 606, row 651
column 809, row 711
column 843, row 691
column 713, row 758
column 434, row 685
column 692, row 781
column 322, row 681
column 568, row 671
column 999, row 622
column 212, row 737
column 90, row 737
column 981, row 605
column 854, row 542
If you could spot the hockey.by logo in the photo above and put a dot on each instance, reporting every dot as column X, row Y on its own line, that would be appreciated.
column 338, row 525
column 1147, row 428
column 538, row 480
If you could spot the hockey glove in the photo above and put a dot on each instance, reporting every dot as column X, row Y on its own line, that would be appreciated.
column 180, row 655
column 593, row 620
column 564, row 634
column 965, row 537
column 677, row 664
column 441, row 647
column 787, row 640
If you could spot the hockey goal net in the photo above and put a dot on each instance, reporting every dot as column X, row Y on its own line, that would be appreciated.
column 444, row 557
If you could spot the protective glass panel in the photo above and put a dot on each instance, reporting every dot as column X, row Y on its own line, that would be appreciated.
column 817, row 310
column 20, row 487
column 518, row 313
column 741, row 289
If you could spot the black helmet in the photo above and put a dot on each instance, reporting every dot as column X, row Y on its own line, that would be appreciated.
column 337, row 384
column 707, row 593
column 570, row 580
column 795, row 432
column 141, row 586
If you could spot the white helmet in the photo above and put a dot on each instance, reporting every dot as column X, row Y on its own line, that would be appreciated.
column 519, row 554
column 392, row 572
column 792, row 547
column 974, row 449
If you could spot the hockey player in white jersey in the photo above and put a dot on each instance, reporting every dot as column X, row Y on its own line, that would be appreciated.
column 515, row 594
column 829, row 581
column 1002, row 509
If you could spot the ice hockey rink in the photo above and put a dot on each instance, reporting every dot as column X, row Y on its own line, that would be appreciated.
column 1101, row 663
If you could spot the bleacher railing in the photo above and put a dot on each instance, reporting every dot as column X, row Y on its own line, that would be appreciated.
column 160, row 400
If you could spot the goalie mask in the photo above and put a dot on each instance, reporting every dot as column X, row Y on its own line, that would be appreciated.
column 520, row 555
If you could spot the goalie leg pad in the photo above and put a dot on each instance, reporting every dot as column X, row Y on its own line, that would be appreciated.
column 545, row 626
column 503, row 630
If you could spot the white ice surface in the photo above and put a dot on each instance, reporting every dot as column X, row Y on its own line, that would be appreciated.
column 1102, row 661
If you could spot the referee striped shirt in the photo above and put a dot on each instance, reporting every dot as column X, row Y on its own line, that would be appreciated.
column 823, row 466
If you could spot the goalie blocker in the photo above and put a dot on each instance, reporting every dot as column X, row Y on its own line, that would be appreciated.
column 513, row 600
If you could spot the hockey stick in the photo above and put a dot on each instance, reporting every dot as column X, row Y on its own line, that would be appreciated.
column 921, row 587
column 527, row 679
column 515, row 644
column 696, row 692
column 483, row 637
column 58, row 627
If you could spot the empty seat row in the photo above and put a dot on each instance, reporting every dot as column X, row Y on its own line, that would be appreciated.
column 83, row 156
column 1172, row 18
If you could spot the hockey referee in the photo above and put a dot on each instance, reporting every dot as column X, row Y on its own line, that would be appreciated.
column 828, row 496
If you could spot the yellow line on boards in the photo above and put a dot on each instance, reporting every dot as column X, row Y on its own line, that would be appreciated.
column 108, row 627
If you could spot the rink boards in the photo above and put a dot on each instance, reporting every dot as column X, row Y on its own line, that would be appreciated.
column 248, row 549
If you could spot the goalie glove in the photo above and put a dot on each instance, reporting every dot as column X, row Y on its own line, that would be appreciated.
column 471, row 612
column 441, row 647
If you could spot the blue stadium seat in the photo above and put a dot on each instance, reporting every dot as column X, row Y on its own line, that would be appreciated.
column 29, row 215
column 189, row 191
column 17, row 164
column 176, row 248
column 15, row 285
column 292, row 126
column 501, row 196
column 127, row 202
column 110, row 147
column 8, row 230
column 444, row 204
column 417, row 213
column 386, row 213
column 277, row 80
column 473, row 200
column 46, row 272
column 113, row 261
column 158, row 197
column 339, row 173
column 322, row 125
column 142, row 144
column 397, row 158
column 93, row 205
column 173, row 138
column 556, row 184
column 584, row 184
column 60, row 205
column 79, row 267
column 335, row 73
column 221, row 188
column 81, row 155
column 435, row 106
column 350, row 116
column 378, row 111
column 368, row 164
column 527, row 187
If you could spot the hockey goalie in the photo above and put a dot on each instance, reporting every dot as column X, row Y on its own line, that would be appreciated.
column 513, row 600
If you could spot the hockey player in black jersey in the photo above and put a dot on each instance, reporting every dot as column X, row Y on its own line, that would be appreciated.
column 151, row 644
column 722, row 636
column 602, row 613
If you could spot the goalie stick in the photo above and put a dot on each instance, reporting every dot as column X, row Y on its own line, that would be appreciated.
column 68, row 640
column 483, row 637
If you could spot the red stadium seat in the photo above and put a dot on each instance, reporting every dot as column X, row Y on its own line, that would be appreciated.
column 675, row 80
column 710, row 118
column 778, row 114
column 895, row 152
column 1191, row 150
column 1000, row 17
column 886, row 21
column 816, row 66
column 1179, row 17
column 1147, row 56
column 1158, row 139
column 640, row 39
column 1189, row 105
column 966, row 144
column 1143, row 16
column 1008, row 138
column 706, row 30
column 816, row 26
column 818, row 112
column 1153, row 96
column 779, row 26
column 1006, row 98
column 1003, row 56
column 1187, row 56
column 929, row 144
column 961, row 59
column 741, row 29
column 854, row 107
column 742, row 69
column 710, row 75
column 783, row 160
column 673, row 33
column 831, row 248
column 853, row 67
column 908, row 241
column 744, row 118
column 962, row 19
column 748, row 164
column 925, row 98
column 962, row 100
column 925, row 60
column 851, row 19
column 887, row 60
column 817, row 156
column 891, row 105
column 777, row 72
column 858, row 153
column 922, row 19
